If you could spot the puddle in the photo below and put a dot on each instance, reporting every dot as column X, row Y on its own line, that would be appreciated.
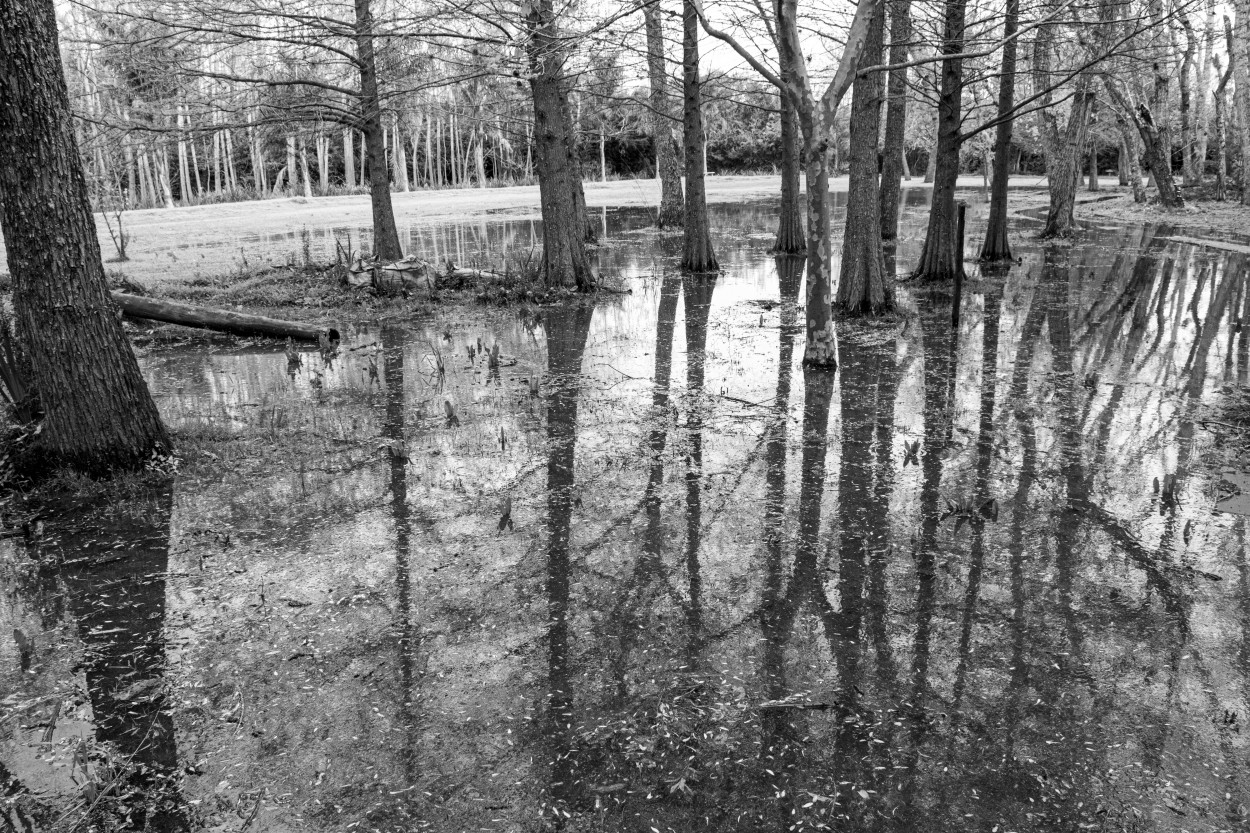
column 655, row 575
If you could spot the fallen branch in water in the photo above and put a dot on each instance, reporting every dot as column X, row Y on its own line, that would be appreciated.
column 223, row 320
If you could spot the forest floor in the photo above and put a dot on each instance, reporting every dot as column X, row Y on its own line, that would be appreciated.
column 1202, row 218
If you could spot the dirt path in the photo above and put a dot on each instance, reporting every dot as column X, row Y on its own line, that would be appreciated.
column 183, row 244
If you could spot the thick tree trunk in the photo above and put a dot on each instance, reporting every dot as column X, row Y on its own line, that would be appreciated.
column 1064, row 157
column 1093, row 168
column 698, row 255
column 1155, row 147
column 386, row 245
column 565, row 262
column 997, row 245
column 790, row 238
column 1121, row 163
column 940, row 260
column 894, row 167
column 98, row 412
column 667, row 163
column 862, row 287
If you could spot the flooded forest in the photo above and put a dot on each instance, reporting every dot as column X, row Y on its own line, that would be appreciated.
column 768, row 483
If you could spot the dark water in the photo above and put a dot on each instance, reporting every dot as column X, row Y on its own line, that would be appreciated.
column 939, row 590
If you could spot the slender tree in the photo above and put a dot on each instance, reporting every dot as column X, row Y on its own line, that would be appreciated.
column 997, row 246
column 894, row 163
column 98, row 413
column 667, row 163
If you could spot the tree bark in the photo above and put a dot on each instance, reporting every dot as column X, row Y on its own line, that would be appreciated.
column 997, row 245
column 790, row 238
column 862, row 287
column 565, row 262
column 1221, row 119
column 1155, row 146
column 98, row 412
column 667, row 164
column 940, row 260
column 894, row 167
column 386, row 245
column 1064, row 154
column 349, row 159
column 1093, row 167
column 1240, row 60
column 698, row 255
column 224, row 320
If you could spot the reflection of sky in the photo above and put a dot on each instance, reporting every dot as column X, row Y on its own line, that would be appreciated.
column 314, row 524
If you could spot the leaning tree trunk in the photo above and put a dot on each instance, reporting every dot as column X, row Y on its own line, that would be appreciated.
column 940, row 259
column 385, row 235
column 997, row 246
column 98, row 413
column 790, row 239
column 1156, row 149
column 698, row 255
column 667, row 163
column 862, row 287
column 565, row 262
column 894, row 166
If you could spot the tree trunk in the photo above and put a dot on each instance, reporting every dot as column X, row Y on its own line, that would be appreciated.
column 894, row 167
column 790, row 239
column 291, row 176
column 940, row 260
column 401, row 159
column 565, row 262
column 698, row 255
column 1221, row 118
column 1241, row 91
column 1122, row 163
column 930, row 165
column 603, row 155
column 222, row 320
column 303, row 169
column 1155, row 146
column 667, row 164
column 349, row 159
column 98, row 414
column 997, row 245
column 479, row 158
column 1132, row 165
column 1093, row 167
column 385, row 234
column 1190, row 174
column 862, row 287
column 1064, row 155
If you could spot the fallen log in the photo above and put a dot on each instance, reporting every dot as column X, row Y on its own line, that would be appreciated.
column 208, row 318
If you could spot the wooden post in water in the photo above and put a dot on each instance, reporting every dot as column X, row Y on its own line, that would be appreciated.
column 961, row 209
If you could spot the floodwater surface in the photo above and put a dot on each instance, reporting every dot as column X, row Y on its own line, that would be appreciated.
column 630, row 566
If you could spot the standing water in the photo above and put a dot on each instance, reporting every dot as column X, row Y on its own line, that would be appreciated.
column 646, row 572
